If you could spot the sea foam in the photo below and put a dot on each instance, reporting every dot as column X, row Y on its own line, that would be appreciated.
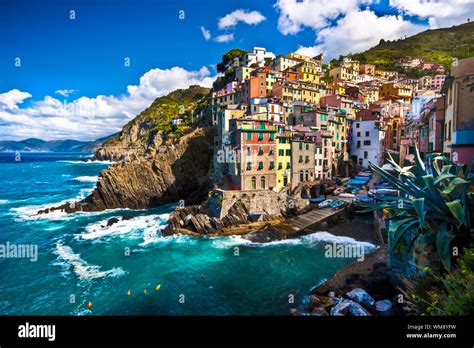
column 69, row 260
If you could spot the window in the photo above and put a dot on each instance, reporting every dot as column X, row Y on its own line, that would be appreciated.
column 254, row 183
column 366, row 154
column 260, row 136
column 300, row 145
column 301, row 176
column 272, row 165
column 367, row 142
column 249, row 165
column 260, row 165
column 288, row 165
column 288, row 152
column 249, row 151
column 262, row 182
column 306, row 159
column 280, row 166
column 367, row 134
column 449, row 130
column 260, row 150
column 307, row 147
column 281, row 152
column 249, row 136
column 272, row 136
column 358, row 134
column 300, row 160
column 358, row 144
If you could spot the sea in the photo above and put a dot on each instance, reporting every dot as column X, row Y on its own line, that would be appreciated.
column 84, row 267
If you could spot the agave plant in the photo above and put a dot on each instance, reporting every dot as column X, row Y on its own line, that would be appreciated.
column 435, row 204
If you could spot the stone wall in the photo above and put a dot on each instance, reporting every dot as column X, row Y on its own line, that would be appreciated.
column 267, row 201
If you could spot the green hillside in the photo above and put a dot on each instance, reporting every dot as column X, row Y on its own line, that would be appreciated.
column 182, row 103
column 439, row 45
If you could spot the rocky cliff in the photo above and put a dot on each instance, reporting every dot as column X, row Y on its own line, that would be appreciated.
column 158, row 162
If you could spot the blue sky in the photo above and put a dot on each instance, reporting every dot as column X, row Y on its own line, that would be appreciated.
column 86, row 55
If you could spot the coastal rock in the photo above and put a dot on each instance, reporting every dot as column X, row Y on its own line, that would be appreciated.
column 179, row 171
column 361, row 296
column 320, row 311
column 112, row 221
column 383, row 307
column 342, row 308
column 358, row 311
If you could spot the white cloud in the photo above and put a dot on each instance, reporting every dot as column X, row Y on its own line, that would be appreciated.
column 90, row 118
column 316, row 14
column 358, row 31
column 224, row 38
column 12, row 98
column 66, row 92
column 232, row 19
column 440, row 13
column 205, row 33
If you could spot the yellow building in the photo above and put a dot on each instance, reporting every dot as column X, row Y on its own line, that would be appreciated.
column 341, row 73
column 394, row 90
column 291, row 91
column 242, row 73
column 283, row 159
column 307, row 72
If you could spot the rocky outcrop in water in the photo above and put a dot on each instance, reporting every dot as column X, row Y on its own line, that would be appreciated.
column 175, row 171
column 196, row 219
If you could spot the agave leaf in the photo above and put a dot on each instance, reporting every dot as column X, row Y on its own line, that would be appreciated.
column 457, row 210
column 453, row 184
column 398, row 228
column 443, row 243
column 419, row 205
column 444, row 176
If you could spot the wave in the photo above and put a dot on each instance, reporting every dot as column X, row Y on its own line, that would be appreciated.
column 326, row 237
column 313, row 238
column 93, row 178
column 147, row 226
column 4, row 201
column 69, row 260
column 88, row 162
column 29, row 212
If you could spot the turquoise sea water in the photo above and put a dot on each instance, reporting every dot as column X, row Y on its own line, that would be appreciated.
column 80, row 260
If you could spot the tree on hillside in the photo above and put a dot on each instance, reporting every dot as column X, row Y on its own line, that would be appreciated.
column 228, row 59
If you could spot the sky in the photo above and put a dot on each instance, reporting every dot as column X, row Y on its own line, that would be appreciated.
column 81, row 69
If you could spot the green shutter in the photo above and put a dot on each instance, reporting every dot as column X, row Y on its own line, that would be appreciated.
column 249, row 136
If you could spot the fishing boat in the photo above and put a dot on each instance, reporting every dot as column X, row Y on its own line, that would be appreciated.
column 337, row 204
column 317, row 200
column 325, row 204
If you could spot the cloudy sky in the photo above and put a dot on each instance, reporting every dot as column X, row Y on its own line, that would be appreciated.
column 81, row 69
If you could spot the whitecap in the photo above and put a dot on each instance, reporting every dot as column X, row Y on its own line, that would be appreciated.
column 93, row 179
column 88, row 162
column 145, row 226
column 69, row 260
column 326, row 237
column 4, row 201
column 314, row 238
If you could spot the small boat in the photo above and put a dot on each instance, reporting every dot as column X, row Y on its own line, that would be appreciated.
column 383, row 192
column 337, row 204
column 337, row 191
column 364, row 174
column 347, row 195
column 352, row 190
column 330, row 190
column 325, row 204
column 363, row 199
column 317, row 200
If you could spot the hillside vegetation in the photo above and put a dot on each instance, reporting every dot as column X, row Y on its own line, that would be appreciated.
column 439, row 45
column 181, row 103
